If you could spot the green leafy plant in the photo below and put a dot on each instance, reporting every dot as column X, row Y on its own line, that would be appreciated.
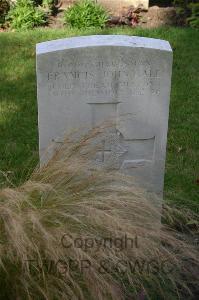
column 193, row 20
column 84, row 14
column 4, row 8
column 187, row 12
column 50, row 5
column 25, row 15
column 37, row 2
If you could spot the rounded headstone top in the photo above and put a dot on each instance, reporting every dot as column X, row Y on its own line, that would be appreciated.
column 102, row 40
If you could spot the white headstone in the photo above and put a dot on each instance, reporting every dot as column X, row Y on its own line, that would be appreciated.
column 83, row 81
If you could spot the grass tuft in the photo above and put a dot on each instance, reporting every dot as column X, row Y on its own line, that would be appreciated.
column 61, row 234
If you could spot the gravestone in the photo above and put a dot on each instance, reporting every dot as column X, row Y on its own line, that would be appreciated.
column 83, row 81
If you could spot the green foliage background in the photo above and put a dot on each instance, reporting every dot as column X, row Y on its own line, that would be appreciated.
column 4, row 8
column 25, row 15
column 85, row 14
column 189, row 10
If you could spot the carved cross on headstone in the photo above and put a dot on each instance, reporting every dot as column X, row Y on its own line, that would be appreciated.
column 111, row 150
column 116, row 151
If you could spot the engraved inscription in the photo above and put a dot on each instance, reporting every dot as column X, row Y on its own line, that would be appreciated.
column 112, row 79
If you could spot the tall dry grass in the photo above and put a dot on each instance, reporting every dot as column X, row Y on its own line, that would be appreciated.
column 63, row 233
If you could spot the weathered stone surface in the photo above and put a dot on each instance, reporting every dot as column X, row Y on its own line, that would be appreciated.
column 116, row 6
column 158, row 16
column 84, row 81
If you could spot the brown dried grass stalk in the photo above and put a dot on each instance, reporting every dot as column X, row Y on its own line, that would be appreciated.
column 61, row 235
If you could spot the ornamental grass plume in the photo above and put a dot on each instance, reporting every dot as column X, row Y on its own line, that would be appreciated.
column 77, row 231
